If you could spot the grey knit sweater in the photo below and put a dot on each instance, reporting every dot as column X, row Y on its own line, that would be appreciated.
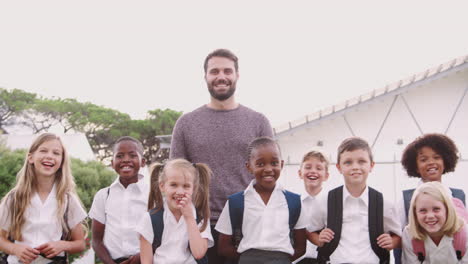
column 219, row 138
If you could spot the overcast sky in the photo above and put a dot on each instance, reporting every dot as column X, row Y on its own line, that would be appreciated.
column 295, row 57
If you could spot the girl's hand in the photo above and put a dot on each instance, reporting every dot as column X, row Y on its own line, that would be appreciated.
column 25, row 254
column 385, row 241
column 185, row 205
column 325, row 236
column 51, row 249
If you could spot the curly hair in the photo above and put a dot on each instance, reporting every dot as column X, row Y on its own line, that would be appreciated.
column 440, row 143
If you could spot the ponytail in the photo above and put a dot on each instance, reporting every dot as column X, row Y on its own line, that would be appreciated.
column 202, row 195
column 155, row 199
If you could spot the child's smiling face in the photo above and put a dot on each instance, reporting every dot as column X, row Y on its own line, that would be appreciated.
column 355, row 166
column 431, row 214
column 430, row 164
column 265, row 164
column 313, row 172
column 47, row 159
column 127, row 160
column 177, row 185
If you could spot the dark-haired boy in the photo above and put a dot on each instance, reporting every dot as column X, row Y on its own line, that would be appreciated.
column 361, row 226
column 116, row 209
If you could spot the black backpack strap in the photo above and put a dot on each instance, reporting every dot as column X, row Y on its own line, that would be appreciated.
column 157, row 221
column 407, row 195
column 236, row 214
column 334, row 222
column 458, row 193
column 376, row 224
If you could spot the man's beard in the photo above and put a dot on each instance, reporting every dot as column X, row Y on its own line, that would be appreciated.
column 224, row 95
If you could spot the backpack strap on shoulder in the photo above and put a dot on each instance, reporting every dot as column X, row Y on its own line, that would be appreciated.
column 459, row 242
column 419, row 249
column 236, row 214
column 294, row 207
column 157, row 221
column 334, row 222
column 407, row 195
column 376, row 224
column 458, row 193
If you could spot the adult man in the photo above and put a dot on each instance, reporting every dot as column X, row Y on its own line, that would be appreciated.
column 218, row 134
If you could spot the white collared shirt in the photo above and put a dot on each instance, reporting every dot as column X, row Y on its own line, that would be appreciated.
column 265, row 226
column 120, row 212
column 401, row 205
column 41, row 223
column 443, row 253
column 309, row 205
column 174, row 248
column 354, row 245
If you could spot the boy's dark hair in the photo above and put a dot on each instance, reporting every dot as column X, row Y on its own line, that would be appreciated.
column 138, row 144
column 352, row 144
column 441, row 144
column 261, row 141
column 225, row 53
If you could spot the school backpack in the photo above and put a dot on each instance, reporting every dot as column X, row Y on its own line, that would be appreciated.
column 459, row 238
column 335, row 221
column 236, row 213
column 157, row 221
column 407, row 195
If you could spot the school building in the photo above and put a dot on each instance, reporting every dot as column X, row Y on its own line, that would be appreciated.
column 389, row 118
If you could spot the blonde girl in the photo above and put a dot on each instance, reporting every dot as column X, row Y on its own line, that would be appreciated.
column 40, row 218
column 432, row 219
column 179, row 197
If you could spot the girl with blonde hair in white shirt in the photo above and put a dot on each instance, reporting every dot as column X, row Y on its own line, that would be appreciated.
column 41, row 217
column 433, row 221
column 177, row 227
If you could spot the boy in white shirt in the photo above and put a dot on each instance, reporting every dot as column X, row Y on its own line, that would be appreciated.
column 343, row 233
column 313, row 171
column 116, row 209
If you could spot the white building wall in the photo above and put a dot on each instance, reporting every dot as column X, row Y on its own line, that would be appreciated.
column 432, row 105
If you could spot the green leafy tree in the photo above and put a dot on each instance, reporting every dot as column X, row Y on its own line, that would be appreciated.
column 10, row 164
column 90, row 177
column 12, row 106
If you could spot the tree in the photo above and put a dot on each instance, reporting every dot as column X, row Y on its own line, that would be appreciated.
column 90, row 177
column 12, row 105
column 10, row 164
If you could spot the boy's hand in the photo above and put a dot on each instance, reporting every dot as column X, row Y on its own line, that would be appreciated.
column 51, row 249
column 325, row 236
column 385, row 241
column 185, row 205
column 25, row 254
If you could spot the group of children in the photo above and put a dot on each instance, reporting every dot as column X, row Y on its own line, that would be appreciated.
column 168, row 221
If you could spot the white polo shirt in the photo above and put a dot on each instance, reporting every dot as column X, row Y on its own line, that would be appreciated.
column 354, row 245
column 120, row 212
column 41, row 223
column 265, row 226
column 174, row 248
column 443, row 253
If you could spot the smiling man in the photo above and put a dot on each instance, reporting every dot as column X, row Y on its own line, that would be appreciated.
column 218, row 134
